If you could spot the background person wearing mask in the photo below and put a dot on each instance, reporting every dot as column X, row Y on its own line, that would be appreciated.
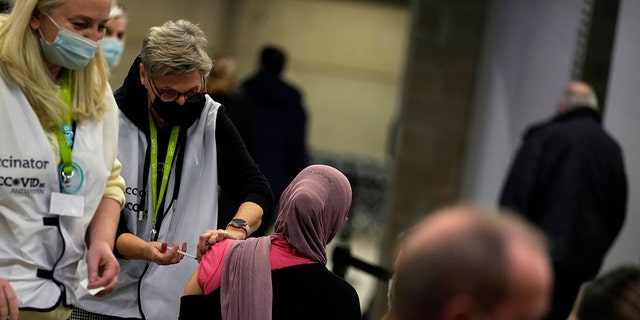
column 176, row 146
column 59, row 124
column 112, row 44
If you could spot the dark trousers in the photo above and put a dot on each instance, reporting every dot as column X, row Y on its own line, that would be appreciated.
column 566, row 286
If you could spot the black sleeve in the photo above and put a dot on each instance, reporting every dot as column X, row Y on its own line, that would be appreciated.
column 200, row 306
column 238, row 175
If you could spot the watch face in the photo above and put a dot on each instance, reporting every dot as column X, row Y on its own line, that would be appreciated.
column 239, row 223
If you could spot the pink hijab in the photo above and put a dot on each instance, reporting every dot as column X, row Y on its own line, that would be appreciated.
column 313, row 208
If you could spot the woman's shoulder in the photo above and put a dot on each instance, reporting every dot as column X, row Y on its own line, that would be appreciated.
column 210, row 268
column 217, row 252
column 314, row 276
column 306, row 290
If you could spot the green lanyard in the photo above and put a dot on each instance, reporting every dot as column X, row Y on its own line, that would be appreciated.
column 65, row 130
column 157, row 198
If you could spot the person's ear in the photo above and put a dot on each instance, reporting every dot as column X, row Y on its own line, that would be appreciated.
column 459, row 307
column 35, row 20
column 143, row 79
column 562, row 107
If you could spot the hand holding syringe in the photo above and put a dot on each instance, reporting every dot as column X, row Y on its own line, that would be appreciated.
column 164, row 254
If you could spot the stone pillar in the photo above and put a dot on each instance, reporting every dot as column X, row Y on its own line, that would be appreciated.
column 602, row 32
column 445, row 41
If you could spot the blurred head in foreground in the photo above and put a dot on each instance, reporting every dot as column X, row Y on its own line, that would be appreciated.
column 614, row 295
column 464, row 262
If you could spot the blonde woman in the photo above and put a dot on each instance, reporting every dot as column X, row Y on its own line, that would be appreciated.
column 61, row 190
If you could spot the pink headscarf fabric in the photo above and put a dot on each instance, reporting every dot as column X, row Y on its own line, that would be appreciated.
column 313, row 208
column 245, row 289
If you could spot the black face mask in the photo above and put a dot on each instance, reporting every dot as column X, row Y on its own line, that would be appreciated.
column 179, row 115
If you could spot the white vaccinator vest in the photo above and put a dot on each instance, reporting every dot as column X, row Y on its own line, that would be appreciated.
column 40, row 251
column 194, row 212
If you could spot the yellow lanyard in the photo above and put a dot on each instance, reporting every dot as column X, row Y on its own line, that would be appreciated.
column 156, row 198
column 65, row 131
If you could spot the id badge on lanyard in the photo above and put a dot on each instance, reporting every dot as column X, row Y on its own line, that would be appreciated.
column 70, row 174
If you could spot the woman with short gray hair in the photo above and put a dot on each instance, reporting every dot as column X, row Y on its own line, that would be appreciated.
column 178, row 47
column 177, row 146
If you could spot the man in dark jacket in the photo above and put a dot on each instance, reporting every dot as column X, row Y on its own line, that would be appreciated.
column 280, row 122
column 568, row 178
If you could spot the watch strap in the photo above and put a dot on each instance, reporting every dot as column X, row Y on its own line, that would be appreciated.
column 244, row 226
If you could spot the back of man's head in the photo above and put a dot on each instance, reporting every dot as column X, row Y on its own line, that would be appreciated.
column 615, row 296
column 578, row 94
column 461, row 261
column 272, row 60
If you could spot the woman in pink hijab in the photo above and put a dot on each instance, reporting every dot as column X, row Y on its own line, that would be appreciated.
column 282, row 276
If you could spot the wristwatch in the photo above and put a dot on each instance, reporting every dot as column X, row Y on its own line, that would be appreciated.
column 240, row 223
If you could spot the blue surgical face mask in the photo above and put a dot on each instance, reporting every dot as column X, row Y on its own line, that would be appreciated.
column 68, row 50
column 111, row 50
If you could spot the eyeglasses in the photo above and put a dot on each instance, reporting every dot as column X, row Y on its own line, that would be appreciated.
column 172, row 95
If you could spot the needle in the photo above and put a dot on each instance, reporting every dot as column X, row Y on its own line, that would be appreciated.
column 184, row 253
